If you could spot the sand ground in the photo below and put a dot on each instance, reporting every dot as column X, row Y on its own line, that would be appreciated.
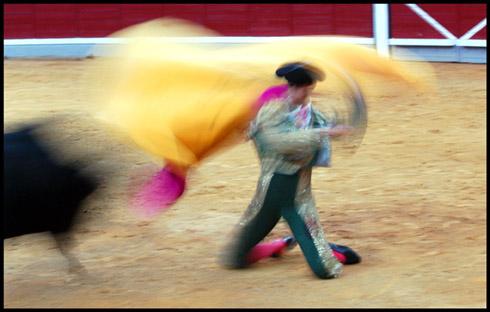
column 411, row 201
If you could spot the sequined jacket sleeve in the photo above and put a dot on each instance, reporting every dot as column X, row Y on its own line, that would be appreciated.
column 278, row 139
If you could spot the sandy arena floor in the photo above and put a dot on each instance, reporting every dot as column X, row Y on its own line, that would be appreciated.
column 411, row 201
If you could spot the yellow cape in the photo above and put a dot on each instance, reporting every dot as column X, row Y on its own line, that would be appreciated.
column 181, row 101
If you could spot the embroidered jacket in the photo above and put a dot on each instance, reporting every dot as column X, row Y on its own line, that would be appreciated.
column 283, row 148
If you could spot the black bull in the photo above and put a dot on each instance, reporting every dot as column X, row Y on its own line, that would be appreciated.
column 41, row 194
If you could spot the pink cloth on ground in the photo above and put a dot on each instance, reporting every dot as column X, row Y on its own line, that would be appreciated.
column 159, row 193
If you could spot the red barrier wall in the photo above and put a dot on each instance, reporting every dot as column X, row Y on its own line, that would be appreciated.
column 99, row 20
column 457, row 18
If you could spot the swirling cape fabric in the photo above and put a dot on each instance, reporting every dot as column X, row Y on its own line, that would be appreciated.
column 181, row 101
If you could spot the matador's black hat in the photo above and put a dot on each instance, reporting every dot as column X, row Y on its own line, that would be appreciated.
column 300, row 74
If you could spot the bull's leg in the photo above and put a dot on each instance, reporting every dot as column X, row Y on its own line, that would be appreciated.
column 65, row 245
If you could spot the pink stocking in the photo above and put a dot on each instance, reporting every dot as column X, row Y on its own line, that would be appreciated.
column 265, row 250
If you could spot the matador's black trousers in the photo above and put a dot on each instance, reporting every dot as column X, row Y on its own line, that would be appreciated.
column 279, row 201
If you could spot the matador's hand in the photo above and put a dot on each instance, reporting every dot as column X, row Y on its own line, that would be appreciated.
column 340, row 130
column 337, row 131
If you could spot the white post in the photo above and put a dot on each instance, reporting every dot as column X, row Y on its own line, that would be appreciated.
column 381, row 28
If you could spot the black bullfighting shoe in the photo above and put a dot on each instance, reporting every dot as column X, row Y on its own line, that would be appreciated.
column 351, row 257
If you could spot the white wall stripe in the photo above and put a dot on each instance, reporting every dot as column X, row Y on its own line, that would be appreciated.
column 13, row 42
column 472, row 43
column 432, row 22
column 356, row 40
column 475, row 29
column 437, row 42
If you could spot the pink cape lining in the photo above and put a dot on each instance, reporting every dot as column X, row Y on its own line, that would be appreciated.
column 159, row 193
column 271, row 93
column 166, row 187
